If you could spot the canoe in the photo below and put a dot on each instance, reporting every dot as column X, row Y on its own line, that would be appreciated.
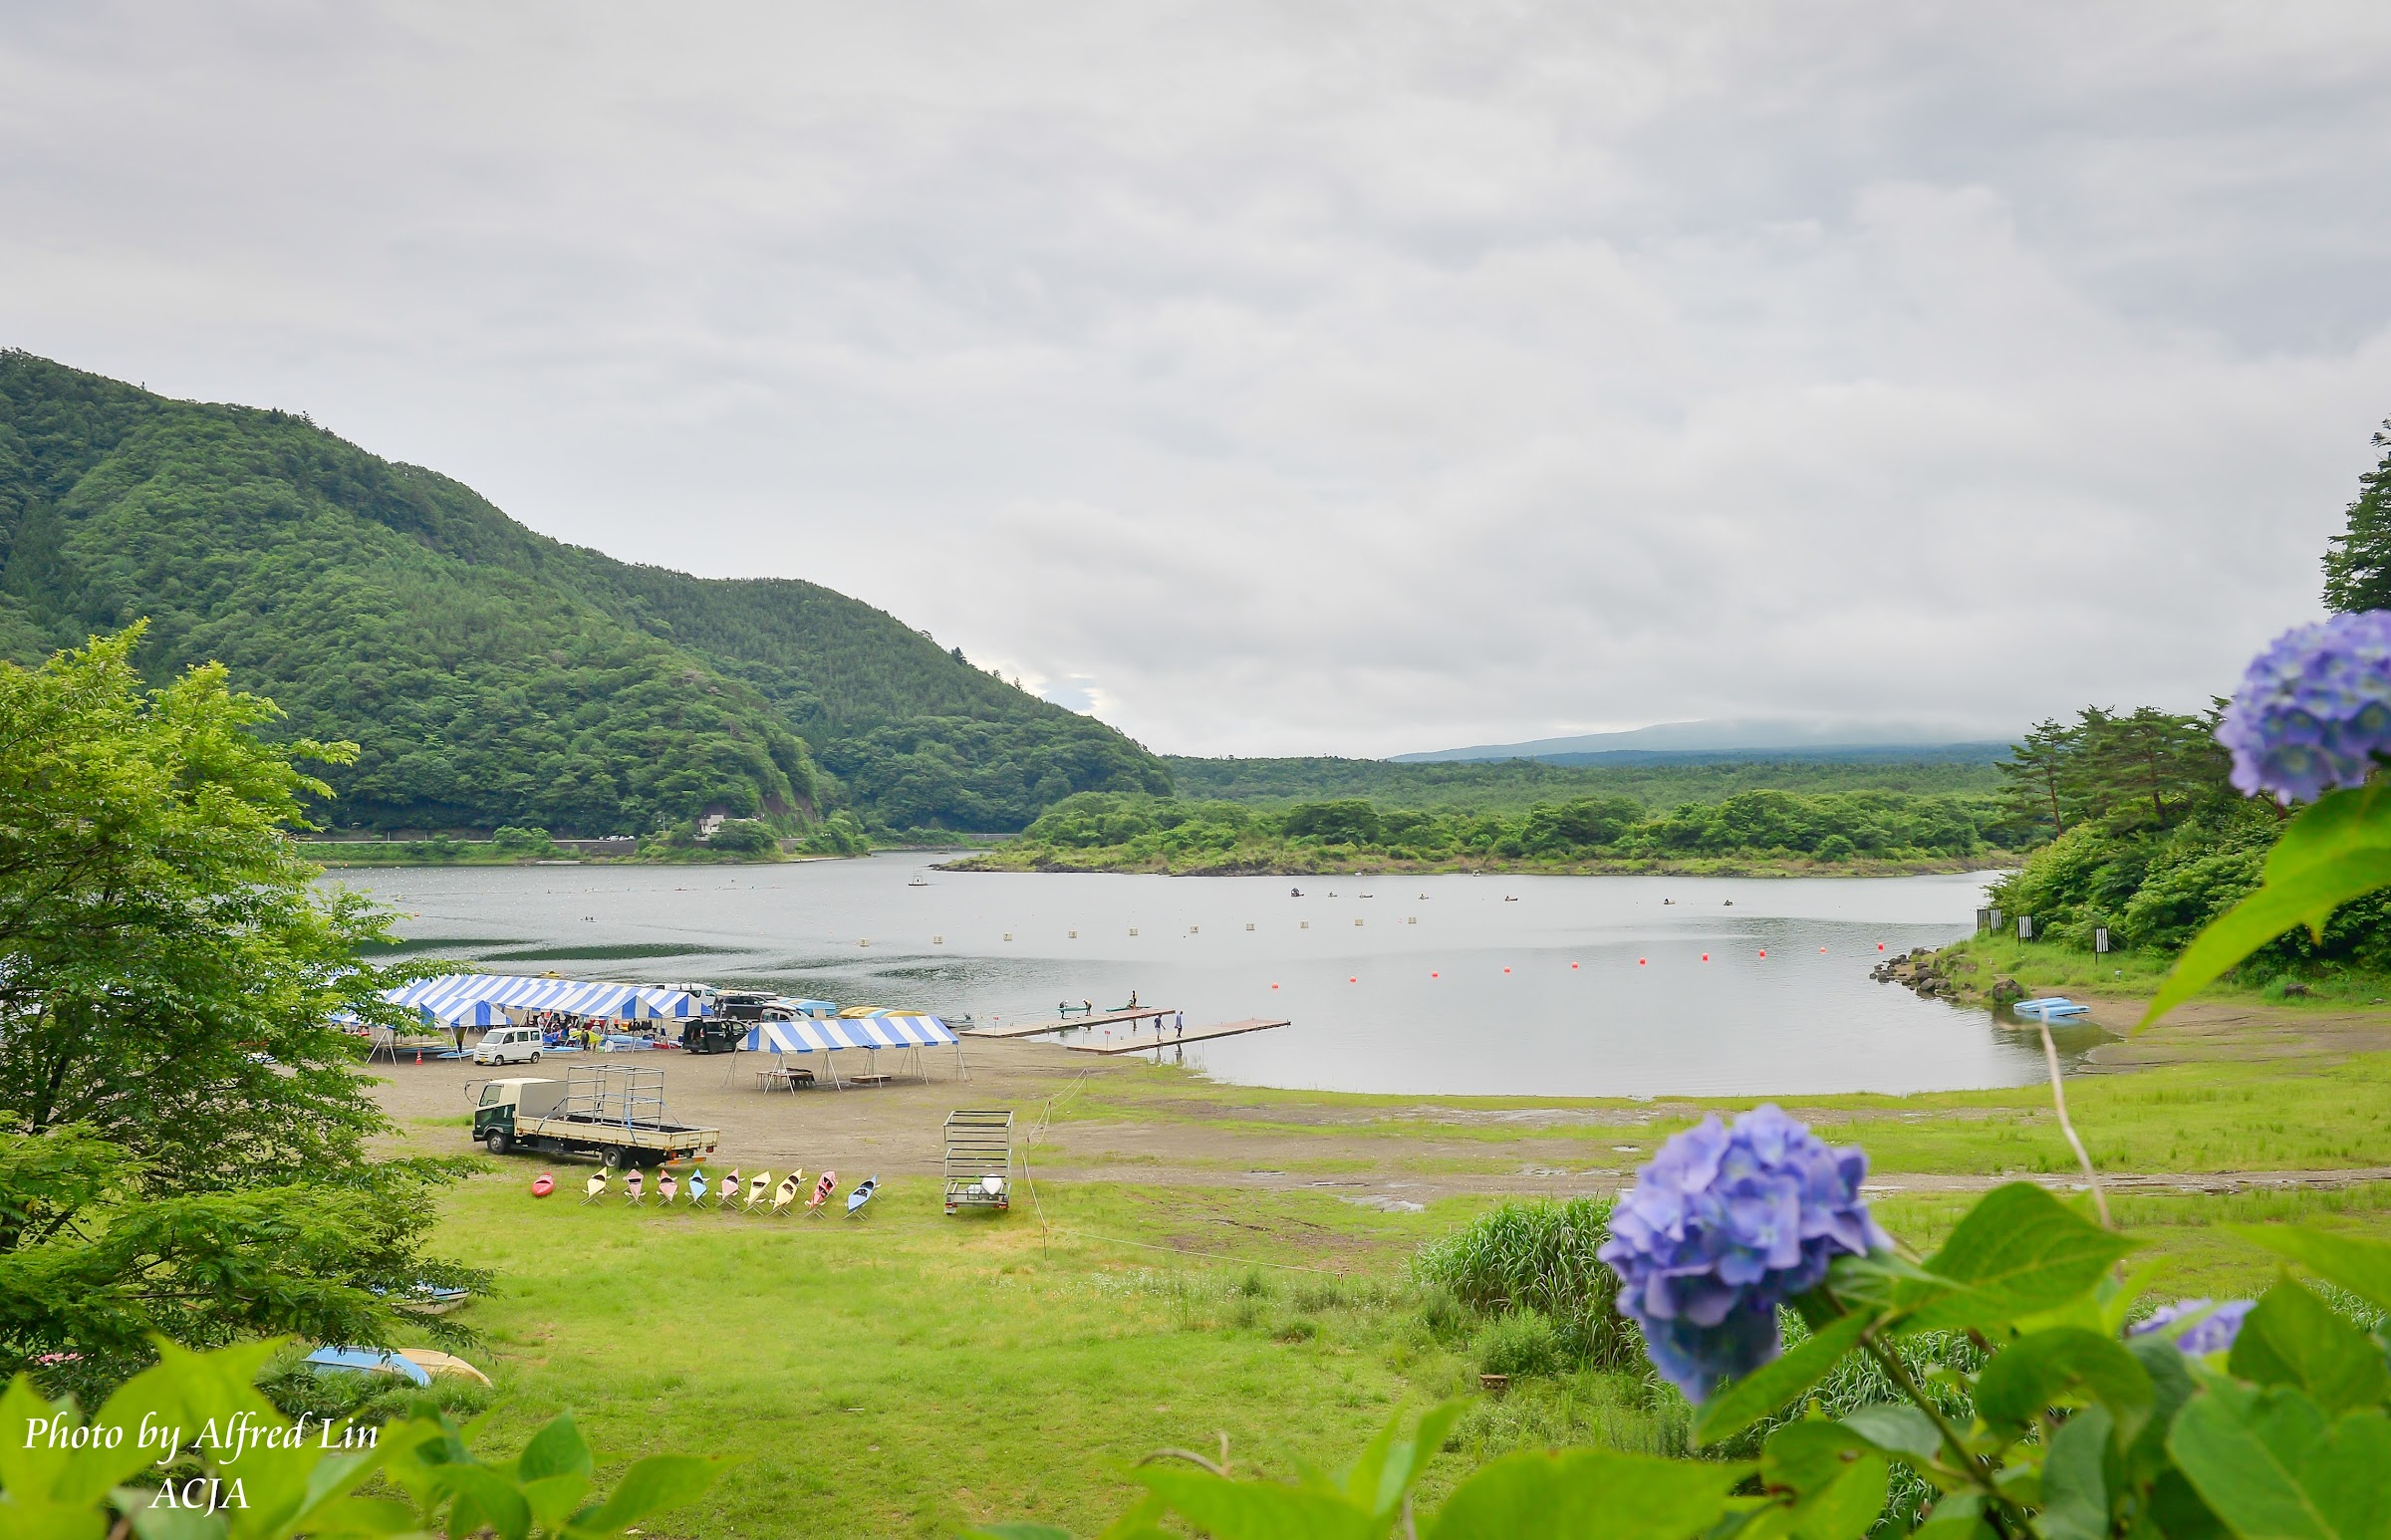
column 862, row 1194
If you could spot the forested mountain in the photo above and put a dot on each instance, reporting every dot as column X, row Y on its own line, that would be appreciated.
column 490, row 675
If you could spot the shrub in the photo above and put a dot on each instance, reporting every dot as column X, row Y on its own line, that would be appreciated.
column 1540, row 1256
column 743, row 837
column 517, row 841
column 1521, row 1342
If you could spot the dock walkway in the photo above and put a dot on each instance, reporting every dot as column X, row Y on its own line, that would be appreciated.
column 1175, row 1039
column 1074, row 1023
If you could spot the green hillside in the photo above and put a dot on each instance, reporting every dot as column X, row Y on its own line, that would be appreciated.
column 1513, row 785
column 490, row 675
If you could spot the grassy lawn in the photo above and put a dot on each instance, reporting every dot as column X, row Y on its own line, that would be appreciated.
column 2048, row 966
column 909, row 1373
column 2317, row 1113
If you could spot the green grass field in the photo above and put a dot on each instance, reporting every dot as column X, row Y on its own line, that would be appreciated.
column 910, row 1374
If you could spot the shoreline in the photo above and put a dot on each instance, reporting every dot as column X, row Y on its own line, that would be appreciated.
column 1711, row 866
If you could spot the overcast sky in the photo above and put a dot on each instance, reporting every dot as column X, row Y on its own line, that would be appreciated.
column 1301, row 377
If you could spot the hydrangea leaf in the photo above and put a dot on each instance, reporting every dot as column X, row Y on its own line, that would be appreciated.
column 555, row 1450
column 2269, row 1464
column 1837, row 1478
column 1898, row 1429
column 1773, row 1384
column 2019, row 1252
column 1259, row 1510
column 1960, row 1516
column 2361, row 1266
column 2336, row 850
column 2293, row 1337
column 1587, row 1494
column 2075, row 1488
column 1391, row 1466
column 2039, row 1371
column 654, row 1484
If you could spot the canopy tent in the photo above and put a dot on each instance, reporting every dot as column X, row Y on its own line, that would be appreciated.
column 455, row 1000
column 906, row 1033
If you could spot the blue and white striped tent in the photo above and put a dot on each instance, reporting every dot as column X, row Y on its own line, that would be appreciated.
column 446, row 997
column 905, row 1032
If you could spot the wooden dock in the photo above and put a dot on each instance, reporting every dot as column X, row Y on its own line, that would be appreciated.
column 1134, row 1045
column 1074, row 1023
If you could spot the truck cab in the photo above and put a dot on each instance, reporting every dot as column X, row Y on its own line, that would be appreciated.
column 503, row 1102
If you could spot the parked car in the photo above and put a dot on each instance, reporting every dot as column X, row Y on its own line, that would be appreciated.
column 509, row 1045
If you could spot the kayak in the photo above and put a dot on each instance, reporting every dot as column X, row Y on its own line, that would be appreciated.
column 542, row 1185
column 862, row 1194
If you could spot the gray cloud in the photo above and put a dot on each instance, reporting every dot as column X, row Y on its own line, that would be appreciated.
column 1280, row 378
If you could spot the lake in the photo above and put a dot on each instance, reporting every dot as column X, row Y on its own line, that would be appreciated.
column 1485, row 985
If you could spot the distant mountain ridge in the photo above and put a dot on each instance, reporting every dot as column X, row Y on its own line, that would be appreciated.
column 1734, row 737
column 492, row 674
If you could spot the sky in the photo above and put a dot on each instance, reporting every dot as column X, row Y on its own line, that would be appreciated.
column 1301, row 377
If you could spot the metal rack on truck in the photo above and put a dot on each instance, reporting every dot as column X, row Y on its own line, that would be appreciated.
column 613, row 1112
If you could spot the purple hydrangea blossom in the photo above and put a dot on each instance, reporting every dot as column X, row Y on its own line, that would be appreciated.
column 2213, row 1333
column 1725, row 1225
column 2313, row 710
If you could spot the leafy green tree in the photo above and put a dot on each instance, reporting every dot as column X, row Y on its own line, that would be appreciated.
column 2033, row 776
column 2357, row 562
column 179, row 1119
column 743, row 837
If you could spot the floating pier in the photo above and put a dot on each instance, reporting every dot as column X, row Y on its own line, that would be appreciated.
column 1175, row 1039
column 1074, row 1023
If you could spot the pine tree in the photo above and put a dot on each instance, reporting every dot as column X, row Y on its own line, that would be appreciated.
column 2357, row 562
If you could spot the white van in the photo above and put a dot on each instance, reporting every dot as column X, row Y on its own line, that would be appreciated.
column 509, row 1045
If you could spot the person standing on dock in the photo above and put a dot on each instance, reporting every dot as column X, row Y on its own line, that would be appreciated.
column 1178, row 1024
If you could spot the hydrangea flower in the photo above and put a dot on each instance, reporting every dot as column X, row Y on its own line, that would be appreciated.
column 1725, row 1225
column 2214, row 1332
column 2313, row 710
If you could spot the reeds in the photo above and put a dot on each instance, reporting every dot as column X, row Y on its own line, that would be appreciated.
column 1540, row 1256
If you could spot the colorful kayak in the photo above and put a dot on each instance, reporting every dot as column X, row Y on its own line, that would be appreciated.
column 786, row 1193
column 667, row 1186
column 595, row 1187
column 822, row 1192
column 862, row 1195
column 757, row 1186
column 542, row 1185
column 729, row 1195
column 697, row 1186
column 635, row 1185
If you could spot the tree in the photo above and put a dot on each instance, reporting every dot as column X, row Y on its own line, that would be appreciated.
column 2032, row 775
column 179, row 1119
column 2357, row 562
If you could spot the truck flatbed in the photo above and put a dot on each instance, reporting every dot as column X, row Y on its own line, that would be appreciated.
column 607, row 1112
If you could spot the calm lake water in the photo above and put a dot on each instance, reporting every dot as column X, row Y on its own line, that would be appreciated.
column 1492, row 986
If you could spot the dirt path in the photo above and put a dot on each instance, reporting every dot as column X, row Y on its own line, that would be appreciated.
column 1163, row 1134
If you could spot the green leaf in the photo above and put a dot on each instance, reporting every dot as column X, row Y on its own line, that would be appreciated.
column 2271, row 1467
column 2050, row 1366
column 556, row 1450
column 1259, row 1510
column 656, row 1483
column 2361, row 1266
column 1587, row 1494
column 1389, row 1466
column 2290, row 1336
column 2336, row 850
column 1839, row 1479
column 2171, row 1388
column 1898, row 1429
column 1960, row 1516
column 2019, row 1251
column 485, row 1494
column 29, row 1467
column 2076, row 1487
column 1774, row 1384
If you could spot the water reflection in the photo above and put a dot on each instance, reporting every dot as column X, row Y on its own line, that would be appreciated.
column 1579, row 986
